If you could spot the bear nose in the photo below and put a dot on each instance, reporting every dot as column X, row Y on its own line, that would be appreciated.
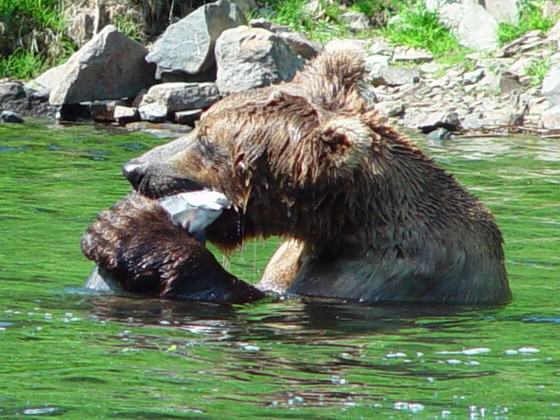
column 134, row 172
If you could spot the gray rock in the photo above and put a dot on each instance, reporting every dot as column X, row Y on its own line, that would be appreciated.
column 509, row 82
column 47, row 81
column 356, row 21
column 529, row 41
column 504, row 11
column 551, row 118
column 188, row 117
column 246, row 6
column 473, row 25
column 473, row 77
column 436, row 5
column 109, row 66
column 182, row 96
column 408, row 54
column 104, row 110
column 439, row 134
column 10, row 117
column 297, row 42
column 11, row 91
column 554, row 32
column 253, row 57
column 390, row 109
column 188, row 45
column 428, row 120
column 153, row 112
column 346, row 44
column 394, row 76
column 380, row 46
column 551, row 86
column 125, row 114
column 550, row 9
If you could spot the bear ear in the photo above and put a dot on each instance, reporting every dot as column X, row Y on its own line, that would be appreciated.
column 347, row 141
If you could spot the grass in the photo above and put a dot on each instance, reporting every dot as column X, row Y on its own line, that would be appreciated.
column 530, row 18
column 416, row 26
column 32, row 37
column 292, row 13
column 537, row 70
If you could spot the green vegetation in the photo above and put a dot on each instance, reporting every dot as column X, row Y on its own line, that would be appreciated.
column 537, row 70
column 530, row 18
column 415, row 26
column 127, row 25
column 31, row 37
column 292, row 13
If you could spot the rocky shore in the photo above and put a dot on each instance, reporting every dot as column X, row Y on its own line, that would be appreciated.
column 215, row 51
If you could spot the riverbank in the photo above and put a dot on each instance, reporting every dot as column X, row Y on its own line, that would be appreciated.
column 446, row 89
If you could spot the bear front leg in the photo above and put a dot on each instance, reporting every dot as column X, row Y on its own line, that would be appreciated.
column 283, row 267
column 136, row 247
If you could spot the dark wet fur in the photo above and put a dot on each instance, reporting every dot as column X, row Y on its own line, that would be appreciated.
column 136, row 244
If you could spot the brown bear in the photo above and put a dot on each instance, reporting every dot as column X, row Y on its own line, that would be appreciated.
column 367, row 215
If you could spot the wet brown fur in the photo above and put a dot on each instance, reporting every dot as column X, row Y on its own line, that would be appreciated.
column 376, row 219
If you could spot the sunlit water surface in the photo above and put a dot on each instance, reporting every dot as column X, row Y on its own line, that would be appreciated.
column 68, row 352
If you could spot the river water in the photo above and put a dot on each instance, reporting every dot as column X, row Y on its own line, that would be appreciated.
column 64, row 351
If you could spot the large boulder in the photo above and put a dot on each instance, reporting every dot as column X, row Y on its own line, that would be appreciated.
column 188, row 45
column 109, row 66
column 297, row 42
column 253, row 57
column 504, row 11
column 182, row 96
column 472, row 24
column 551, row 86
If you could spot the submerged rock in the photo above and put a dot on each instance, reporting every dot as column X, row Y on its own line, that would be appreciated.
column 10, row 117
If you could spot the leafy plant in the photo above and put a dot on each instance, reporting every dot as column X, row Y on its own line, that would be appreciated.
column 530, row 18
column 416, row 26
column 537, row 70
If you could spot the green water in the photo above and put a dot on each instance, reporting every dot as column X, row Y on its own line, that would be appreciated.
column 67, row 352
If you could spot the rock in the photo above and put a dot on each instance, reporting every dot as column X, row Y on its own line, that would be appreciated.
column 509, row 82
column 164, row 130
column 188, row 45
column 47, row 80
column 11, row 91
column 297, row 42
column 428, row 120
column 246, row 6
column 182, row 96
column 473, row 25
column 188, row 117
column 104, row 110
column 346, row 44
column 356, row 21
column 551, row 86
column 253, row 57
column 380, row 46
column 436, row 5
column 125, row 114
column 109, row 66
column 394, row 76
column 390, row 109
column 439, row 134
column 495, row 115
column 529, row 41
column 74, row 112
column 504, row 11
column 409, row 54
column 430, row 68
column 10, row 117
column 520, row 67
column 551, row 118
column 153, row 112
column 314, row 9
column 554, row 33
column 550, row 9
column 473, row 77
